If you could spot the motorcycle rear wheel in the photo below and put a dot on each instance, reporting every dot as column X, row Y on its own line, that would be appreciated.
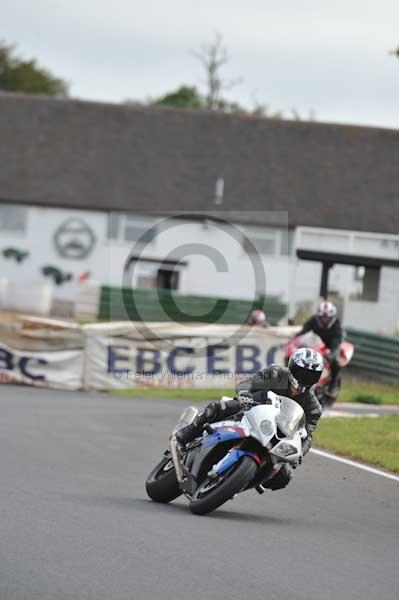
column 211, row 493
column 162, row 484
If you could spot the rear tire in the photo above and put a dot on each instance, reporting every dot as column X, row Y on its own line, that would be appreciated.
column 203, row 502
column 162, row 484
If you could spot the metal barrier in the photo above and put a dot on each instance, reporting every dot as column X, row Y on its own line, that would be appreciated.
column 375, row 354
column 164, row 305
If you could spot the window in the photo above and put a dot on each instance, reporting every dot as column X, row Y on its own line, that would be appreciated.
column 287, row 240
column 369, row 278
column 113, row 225
column 146, row 282
column 167, row 280
column 13, row 218
column 138, row 228
column 263, row 245
column 268, row 241
column 384, row 243
column 130, row 227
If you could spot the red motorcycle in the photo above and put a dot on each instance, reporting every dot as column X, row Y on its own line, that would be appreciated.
column 346, row 350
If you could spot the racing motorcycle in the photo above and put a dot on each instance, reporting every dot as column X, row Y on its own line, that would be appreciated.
column 345, row 355
column 256, row 449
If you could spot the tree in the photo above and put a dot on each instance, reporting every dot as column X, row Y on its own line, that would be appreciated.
column 182, row 97
column 213, row 56
column 17, row 75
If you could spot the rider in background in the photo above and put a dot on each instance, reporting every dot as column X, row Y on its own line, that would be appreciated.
column 258, row 317
column 327, row 326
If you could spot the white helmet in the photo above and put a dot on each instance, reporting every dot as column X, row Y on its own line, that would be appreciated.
column 258, row 317
column 326, row 314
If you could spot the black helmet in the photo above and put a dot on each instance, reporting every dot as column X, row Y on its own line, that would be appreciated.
column 305, row 368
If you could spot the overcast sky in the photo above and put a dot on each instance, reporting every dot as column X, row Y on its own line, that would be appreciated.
column 331, row 57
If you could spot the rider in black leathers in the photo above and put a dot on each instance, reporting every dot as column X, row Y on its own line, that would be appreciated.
column 327, row 326
column 294, row 382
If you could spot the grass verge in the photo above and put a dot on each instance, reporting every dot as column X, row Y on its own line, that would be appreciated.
column 353, row 391
column 373, row 441
column 191, row 394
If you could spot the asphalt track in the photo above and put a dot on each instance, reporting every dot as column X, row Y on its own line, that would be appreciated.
column 75, row 522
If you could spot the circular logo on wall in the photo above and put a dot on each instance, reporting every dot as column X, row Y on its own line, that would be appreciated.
column 74, row 239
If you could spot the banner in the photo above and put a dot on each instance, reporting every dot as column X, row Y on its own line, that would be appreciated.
column 102, row 356
column 61, row 369
column 119, row 357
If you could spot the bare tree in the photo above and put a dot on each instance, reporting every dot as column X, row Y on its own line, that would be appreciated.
column 213, row 56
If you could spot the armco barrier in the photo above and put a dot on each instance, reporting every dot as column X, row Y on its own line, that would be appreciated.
column 375, row 354
column 163, row 305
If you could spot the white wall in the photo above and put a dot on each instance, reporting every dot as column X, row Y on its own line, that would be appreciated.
column 290, row 279
column 381, row 316
column 232, row 275
column 107, row 259
column 38, row 239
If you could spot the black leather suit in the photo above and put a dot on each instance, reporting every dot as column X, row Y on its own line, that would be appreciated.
column 331, row 336
column 274, row 379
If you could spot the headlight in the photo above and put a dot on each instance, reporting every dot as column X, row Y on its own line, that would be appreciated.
column 284, row 449
column 266, row 427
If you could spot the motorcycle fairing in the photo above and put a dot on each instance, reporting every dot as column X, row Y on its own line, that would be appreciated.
column 231, row 458
column 224, row 433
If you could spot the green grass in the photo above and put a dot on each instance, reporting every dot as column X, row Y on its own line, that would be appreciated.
column 374, row 441
column 353, row 391
column 371, row 440
column 192, row 394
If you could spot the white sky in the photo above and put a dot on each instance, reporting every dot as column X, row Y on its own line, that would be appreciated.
column 309, row 54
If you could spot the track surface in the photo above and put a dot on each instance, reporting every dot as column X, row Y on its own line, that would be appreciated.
column 75, row 521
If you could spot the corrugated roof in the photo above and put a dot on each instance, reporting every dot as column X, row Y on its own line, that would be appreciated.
column 72, row 153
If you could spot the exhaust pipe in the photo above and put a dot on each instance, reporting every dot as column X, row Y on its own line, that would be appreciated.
column 174, row 448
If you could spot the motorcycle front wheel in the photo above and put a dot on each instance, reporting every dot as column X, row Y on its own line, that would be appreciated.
column 162, row 484
column 212, row 492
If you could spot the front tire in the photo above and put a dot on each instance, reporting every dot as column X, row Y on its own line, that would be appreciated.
column 281, row 479
column 210, row 495
column 162, row 484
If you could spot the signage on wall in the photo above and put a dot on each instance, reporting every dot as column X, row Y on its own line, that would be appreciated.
column 74, row 239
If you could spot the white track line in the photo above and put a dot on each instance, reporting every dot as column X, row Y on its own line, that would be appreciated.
column 354, row 463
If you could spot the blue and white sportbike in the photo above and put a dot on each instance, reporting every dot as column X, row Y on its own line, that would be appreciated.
column 255, row 449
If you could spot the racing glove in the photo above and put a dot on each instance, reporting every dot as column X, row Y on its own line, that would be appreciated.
column 245, row 400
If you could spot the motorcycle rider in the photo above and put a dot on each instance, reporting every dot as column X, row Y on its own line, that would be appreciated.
column 295, row 381
column 258, row 317
column 327, row 326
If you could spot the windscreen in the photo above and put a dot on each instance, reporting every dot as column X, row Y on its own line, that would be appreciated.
column 291, row 417
column 187, row 417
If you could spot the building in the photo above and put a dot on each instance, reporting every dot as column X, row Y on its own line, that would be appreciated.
column 316, row 204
